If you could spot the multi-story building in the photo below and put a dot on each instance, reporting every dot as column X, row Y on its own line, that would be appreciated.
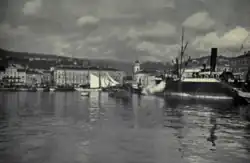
column 33, row 77
column 2, row 71
column 80, row 75
column 241, row 63
column 70, row 76
column 19, row 76
column 46, row 77
column 11, row 75
column 145, row 77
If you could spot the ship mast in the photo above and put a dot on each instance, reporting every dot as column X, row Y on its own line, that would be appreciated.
column 65, row 78
column 99, row 75
column 88, row 73
column 182, row 52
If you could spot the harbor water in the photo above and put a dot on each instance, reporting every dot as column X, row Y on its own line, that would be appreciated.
column 64, row 127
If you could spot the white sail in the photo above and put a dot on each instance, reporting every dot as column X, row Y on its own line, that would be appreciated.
column 94, row 81
column 105, row 80
column 112, row 82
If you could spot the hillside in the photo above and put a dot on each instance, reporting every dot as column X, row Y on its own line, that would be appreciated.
column 155, row 65
column 221, row 60
column 45, row 61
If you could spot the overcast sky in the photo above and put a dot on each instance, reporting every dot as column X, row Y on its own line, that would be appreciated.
column 124, row 29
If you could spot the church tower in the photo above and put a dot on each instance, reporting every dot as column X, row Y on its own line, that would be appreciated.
column 137, row 66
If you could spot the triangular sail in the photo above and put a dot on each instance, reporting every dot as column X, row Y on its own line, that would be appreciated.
column 104, row 81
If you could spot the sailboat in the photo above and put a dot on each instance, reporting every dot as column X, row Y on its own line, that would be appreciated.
column 100, row 80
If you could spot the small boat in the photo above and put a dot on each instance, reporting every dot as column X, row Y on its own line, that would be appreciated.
column 46, row 89
column 32, row 89
column 52, row 89
column 91, row 89
column 84, row 93
column 66, row 88
column 40, row 89
column 8, row 89
column 120, row 94
column 23, row 89
column 82, row 87
column 246, row 95
column 136, row 89
column 79, row 89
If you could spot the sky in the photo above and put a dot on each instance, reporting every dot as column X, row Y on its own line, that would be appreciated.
column 125, row 30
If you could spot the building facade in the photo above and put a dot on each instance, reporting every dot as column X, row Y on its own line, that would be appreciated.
column 46, row 77
column 12, row 76
column 137, row 67
column 33, row 78
column 19, row 76
column 70, row 76
column 241, row 63
column 145, row 77
column 80, row 76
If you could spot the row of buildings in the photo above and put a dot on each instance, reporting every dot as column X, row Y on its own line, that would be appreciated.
column 18, row 75
column 71, row 75
column 75, row 75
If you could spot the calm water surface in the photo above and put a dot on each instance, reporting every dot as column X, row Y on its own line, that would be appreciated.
column 67, row 128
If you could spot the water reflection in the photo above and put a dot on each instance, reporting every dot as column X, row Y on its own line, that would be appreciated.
column 65, row 127
column 212, row 136
column 94, row 106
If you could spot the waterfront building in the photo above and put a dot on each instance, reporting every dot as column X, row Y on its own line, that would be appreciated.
column 46, row 77
column 145, row 77
column 32, row 78
column 2, row 71
column 137, row 67
column 11, row 76
column 241, row 63
column 70, row 76
column 81, row 75
column 14, row 75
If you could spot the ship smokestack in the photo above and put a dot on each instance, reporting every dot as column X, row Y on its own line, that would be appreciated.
column 213, row 59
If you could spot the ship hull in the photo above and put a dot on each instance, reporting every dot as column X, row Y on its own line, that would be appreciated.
column 202, row 92
column 64, row 90
column 61, row 89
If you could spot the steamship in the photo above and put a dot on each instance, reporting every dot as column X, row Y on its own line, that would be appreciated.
column 192, row 86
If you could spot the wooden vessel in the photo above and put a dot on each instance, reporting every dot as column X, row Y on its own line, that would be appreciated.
column 85, row 93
